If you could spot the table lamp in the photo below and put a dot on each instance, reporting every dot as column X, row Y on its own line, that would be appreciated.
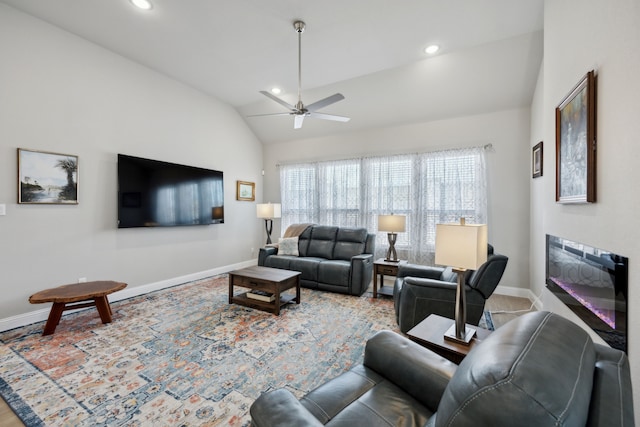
column 268, row 211
column 463, row 247
column 392, row 224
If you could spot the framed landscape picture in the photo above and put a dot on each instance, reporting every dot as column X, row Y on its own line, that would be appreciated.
column 245, row 191
column 47, row 178
column 576, row 145
column 536, row 160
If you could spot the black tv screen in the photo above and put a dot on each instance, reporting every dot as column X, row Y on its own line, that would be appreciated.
column 153, row 193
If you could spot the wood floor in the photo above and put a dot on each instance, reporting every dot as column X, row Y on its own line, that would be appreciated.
column 497, row 304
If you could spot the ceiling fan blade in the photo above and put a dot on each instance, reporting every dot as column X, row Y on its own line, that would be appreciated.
column 297, row 122
column 271, row 114
column 329, row 117
column 278, row 100
column 324, row 102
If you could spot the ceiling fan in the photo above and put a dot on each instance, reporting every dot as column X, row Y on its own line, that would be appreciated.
column 300, row 111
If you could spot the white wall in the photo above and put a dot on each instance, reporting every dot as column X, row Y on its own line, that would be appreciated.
column 581, row 35
column 62, row 94
column 508, row 170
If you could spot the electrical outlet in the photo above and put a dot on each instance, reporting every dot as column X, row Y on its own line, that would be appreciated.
column 253, row 251
column 82, row 280
column 3, row 209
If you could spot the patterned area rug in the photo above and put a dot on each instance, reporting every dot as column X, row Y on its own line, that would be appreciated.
column 182, row 356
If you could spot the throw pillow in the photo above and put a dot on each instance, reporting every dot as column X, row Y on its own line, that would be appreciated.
column 288, row 246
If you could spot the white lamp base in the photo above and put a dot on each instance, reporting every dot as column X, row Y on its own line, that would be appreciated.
column 450, row 335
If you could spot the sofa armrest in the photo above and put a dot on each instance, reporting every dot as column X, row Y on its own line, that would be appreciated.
column 280, row 408
column 611, row 399
column 418, row 371
column 433, row 284
column 266, row 252
column 361, row 273
column 414, row 270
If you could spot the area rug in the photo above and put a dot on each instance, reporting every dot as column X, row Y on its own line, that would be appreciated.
column 182, row 356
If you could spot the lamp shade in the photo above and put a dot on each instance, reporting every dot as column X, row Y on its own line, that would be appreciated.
column 461, row 246
column 268, row 210
column 392, row 223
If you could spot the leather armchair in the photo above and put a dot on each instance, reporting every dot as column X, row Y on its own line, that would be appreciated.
column 422, row 290
column 537, row 370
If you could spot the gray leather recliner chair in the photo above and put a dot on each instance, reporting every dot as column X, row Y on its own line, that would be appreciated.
column 537, row 370
column 423, row 290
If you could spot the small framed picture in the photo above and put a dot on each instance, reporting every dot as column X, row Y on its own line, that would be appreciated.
column 47, row 178
column 536, row 161
column 245, row 191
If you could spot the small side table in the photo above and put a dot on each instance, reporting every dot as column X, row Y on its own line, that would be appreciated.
column 430, row 334
column 382, row 267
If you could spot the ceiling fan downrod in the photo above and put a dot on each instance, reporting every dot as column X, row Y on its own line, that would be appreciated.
column 299, row 26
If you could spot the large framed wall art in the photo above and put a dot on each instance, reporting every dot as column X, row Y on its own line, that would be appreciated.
column 47, row 178
column 576, row 144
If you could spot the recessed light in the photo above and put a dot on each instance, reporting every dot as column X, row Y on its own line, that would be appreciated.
column 432, row 49
column 276, row 90
column 142, row 4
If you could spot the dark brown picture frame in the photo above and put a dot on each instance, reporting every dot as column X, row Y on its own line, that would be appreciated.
column 576, row 144
column 536, row 160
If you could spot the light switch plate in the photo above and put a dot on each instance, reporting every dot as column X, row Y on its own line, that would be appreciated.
column 3, row 209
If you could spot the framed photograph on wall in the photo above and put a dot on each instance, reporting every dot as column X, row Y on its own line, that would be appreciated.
column 576, row 145
column 47, row 178
column 245, row 191
column 536, row 160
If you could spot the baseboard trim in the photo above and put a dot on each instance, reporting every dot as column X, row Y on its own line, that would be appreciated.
column 521, row 293
column 40, row 315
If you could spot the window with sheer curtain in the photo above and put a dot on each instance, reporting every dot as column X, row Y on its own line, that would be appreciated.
column 429, row 188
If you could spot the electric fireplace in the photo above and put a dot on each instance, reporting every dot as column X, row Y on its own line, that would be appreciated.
column 593, row 283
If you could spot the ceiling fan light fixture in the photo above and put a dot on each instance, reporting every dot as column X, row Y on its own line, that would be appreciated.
column 142, row 4
column 431, row 49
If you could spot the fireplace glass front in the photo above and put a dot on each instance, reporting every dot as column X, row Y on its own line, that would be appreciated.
column 593, row 283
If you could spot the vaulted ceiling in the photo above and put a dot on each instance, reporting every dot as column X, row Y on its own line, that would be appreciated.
column 371, row 51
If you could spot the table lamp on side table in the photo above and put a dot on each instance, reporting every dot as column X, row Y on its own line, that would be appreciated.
column 268, row 211
column 463, row 247
column 392, row 224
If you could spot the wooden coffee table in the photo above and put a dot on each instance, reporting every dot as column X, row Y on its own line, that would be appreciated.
column 77, row 295
column 430, row 334
column 272, row 280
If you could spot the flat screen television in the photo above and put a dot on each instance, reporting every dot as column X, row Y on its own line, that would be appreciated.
column 153, row 193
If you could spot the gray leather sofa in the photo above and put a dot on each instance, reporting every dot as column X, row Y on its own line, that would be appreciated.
column 423, row 290
column 337, row 259
column 537, row 370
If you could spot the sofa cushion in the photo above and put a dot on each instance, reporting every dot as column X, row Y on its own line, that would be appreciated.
column 334, row 272
column 323, row 239
column 288, row 246
column 349, row 243
column 539, row 367
column 303, row 241
column 308, row 266
column 363, row 395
